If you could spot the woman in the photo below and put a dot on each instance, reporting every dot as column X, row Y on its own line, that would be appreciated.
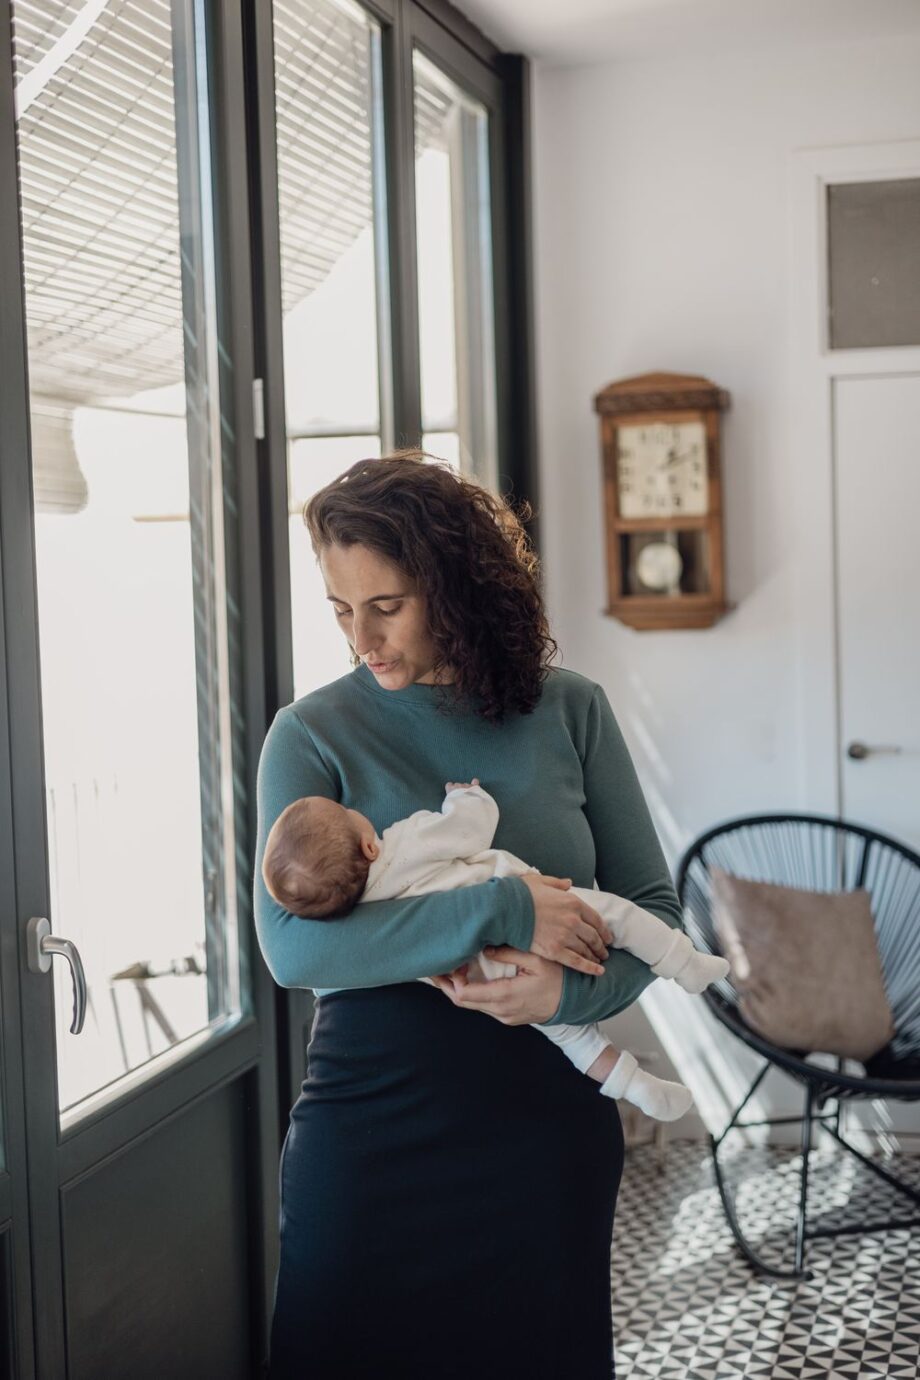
column 449, row 1179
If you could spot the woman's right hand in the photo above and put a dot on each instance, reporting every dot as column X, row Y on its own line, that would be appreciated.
column 566, row 929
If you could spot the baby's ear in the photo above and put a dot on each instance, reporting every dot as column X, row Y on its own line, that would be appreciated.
column 370, row 848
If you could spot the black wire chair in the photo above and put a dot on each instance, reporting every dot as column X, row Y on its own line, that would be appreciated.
column 817, row 853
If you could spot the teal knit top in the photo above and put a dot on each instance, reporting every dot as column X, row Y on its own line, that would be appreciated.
column 570, row 804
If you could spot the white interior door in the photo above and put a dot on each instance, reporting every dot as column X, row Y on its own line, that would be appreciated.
column 853, row 449
column 877, row 462
column 876, row 453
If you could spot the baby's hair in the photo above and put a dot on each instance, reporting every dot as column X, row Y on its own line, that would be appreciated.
column 313, row 865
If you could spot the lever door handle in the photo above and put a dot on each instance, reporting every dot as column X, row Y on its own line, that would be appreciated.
column 41, row 946
column 858, row 751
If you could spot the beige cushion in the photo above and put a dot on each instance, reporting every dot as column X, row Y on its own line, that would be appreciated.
column 805, row 965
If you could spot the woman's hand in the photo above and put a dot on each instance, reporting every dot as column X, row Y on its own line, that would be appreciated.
column 566, row 929
column 531, row 997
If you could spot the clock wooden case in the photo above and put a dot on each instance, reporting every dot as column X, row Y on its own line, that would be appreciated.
column 661, row 447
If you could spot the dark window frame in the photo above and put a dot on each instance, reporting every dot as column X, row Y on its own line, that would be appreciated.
column 501, row 82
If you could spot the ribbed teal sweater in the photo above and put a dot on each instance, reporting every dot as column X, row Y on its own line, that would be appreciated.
column 570, row 805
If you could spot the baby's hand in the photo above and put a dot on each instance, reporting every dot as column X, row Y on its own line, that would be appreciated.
column 461, row 785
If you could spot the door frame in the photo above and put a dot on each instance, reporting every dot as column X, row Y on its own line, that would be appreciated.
column 809, row 468
column 41, row 1158
column 14, row 1206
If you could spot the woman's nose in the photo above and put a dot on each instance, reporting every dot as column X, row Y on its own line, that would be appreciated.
column 363, row 638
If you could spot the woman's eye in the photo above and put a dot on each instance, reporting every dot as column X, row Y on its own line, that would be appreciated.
column 386, row 613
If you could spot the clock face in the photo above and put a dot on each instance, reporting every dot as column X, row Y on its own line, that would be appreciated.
column 662, row 470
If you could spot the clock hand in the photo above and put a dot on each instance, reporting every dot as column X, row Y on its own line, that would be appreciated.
column 677, row 458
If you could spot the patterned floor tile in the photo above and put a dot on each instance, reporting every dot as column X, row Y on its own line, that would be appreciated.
column 686, row 1306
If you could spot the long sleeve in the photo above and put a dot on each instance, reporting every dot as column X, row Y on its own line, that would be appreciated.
column 465, row 824
column 380, row 942
column 630, row 863
column 428, row 851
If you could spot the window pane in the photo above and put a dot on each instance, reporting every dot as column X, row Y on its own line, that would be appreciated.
column 454, row 232
column 128, row 490
column 874, row 263
column 443, row 445
column 334, row 284
column 320, row 651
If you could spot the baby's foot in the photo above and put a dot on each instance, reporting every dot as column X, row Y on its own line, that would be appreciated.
column 700, row 970
column 691, row 969
column 655, row 1096
column 678, row 949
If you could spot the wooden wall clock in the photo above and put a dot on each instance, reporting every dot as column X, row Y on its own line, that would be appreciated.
column 661, row 447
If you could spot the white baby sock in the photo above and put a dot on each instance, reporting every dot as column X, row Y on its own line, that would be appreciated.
column 655, row 1096
column 690, row 969
column 700, row 970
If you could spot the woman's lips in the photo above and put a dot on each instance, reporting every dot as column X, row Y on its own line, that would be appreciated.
column 381, row 665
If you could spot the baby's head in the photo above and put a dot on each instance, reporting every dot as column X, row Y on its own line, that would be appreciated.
column 317, row 858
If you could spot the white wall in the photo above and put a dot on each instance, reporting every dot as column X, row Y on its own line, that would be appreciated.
column 661, row 208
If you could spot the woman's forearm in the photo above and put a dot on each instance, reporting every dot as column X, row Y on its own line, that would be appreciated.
column 383, row 942
column 585, row 999
column 630, row 863
column 380, row 942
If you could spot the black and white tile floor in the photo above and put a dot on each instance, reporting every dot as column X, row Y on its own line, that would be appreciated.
column 686, row 1306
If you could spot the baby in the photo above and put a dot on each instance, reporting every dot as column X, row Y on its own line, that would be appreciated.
column 322, row 858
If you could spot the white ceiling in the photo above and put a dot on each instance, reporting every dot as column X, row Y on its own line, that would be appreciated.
column 578, row 31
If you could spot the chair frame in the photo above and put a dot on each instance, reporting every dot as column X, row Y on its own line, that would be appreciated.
column 821, row 1084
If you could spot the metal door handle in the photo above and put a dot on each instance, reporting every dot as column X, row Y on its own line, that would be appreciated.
column 41, row 946
column 858, row 751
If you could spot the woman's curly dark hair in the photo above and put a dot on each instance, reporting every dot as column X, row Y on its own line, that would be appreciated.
column 468, row 552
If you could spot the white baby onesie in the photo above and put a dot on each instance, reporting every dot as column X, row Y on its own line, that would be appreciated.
column 439, row 850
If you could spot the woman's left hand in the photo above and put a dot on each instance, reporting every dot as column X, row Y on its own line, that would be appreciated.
column 531, row 997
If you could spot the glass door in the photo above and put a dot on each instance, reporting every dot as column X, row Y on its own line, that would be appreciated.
column 128, row 535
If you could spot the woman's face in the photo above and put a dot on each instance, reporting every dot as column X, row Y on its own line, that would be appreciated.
column 381, row 615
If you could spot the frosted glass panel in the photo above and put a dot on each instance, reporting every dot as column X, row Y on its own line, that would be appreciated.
column 874, row 263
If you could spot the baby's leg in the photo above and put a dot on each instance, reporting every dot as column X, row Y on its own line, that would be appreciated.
column 476, row 973
column 582, row 1045
column 655, row 1096
column 669, row 952
column 618, row 1074
column 490, row 968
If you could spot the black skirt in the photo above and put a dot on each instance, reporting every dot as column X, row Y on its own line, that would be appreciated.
column 448, row 1186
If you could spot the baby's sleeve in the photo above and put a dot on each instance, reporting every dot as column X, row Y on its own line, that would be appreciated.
column 421, row 853
column 464, row 825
